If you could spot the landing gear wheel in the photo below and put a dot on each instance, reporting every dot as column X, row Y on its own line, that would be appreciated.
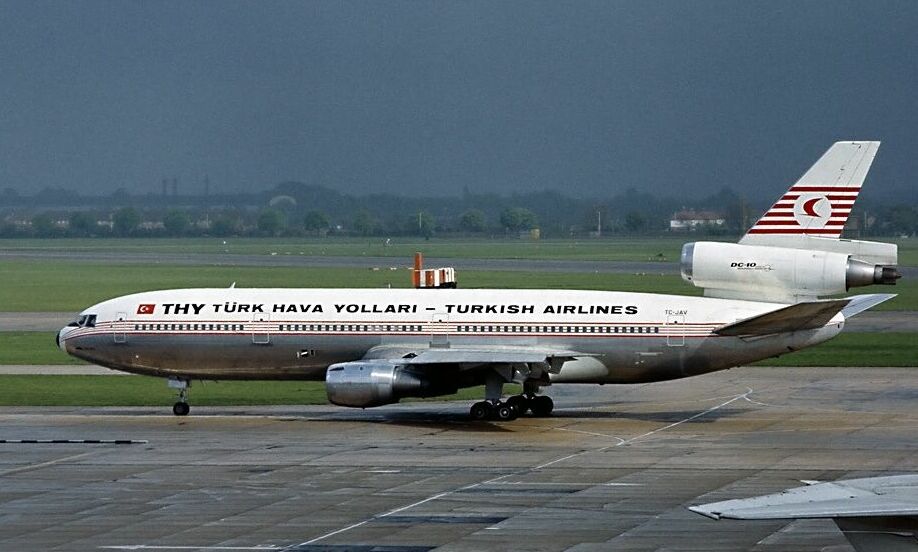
column 541, row 406
column 480, row 411
column 506, row 412
column 181, row 408
column 520, row 403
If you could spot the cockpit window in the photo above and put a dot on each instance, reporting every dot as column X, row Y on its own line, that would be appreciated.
column 84, row 321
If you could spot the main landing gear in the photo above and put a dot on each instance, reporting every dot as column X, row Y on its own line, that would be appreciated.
column 493, row 408
column 180, row 408
column 512, row 408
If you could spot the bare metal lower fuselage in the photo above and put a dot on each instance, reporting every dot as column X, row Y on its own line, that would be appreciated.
column 280, row 349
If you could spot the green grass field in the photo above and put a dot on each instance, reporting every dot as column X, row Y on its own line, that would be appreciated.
column 612, row 249
column 32, row 348
column 855, row 349
column 606, row 249
column 68, row 286
column 72, row 286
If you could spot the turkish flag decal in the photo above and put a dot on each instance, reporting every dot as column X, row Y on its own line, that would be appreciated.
column 146, row 309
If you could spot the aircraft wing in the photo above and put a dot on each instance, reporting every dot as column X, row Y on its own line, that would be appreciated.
column 473, row 356
column 876, row 514
column 802, row 316
column 872, row 496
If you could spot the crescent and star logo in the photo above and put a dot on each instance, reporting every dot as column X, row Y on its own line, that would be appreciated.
column 812, row 210
column 146, row 309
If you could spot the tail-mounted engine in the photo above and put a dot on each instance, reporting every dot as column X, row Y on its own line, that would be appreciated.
column 762, row 273
column 377, row 382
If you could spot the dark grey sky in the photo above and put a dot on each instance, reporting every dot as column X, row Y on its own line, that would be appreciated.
column 426, row 97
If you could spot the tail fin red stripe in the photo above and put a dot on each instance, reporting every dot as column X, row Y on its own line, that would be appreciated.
column 854, row 189
column 826, row 231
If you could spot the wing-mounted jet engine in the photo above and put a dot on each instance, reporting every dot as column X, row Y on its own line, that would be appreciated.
column 369, row 383
column 793, row 253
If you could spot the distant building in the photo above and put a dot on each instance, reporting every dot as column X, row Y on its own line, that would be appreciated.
column 691, row 220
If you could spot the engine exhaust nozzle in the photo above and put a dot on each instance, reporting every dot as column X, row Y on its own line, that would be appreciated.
column 859, row 273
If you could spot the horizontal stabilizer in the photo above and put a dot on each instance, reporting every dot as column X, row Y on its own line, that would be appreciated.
column 860, row 303
column 802, row 316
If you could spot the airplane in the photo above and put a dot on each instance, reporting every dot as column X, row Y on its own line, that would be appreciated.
column 876, row 514
column 763, row 297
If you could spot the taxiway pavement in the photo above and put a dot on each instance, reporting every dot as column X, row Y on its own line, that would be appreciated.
column 614, row 469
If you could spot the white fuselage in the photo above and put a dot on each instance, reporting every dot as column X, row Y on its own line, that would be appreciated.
column 297, row 333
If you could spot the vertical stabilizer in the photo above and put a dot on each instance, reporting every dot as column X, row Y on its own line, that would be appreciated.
column 817, row 205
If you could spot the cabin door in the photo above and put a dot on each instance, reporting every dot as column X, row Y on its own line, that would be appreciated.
column 118, row 327
column 261, row 328
column 675, row 330
column 439, row 330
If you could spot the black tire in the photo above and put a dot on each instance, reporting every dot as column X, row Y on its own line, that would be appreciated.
column 506, row 412
column 519, row 403
column 542, row 406
column 480, row 411
column 181, row 409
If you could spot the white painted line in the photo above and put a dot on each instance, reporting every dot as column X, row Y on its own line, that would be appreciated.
column 31, row 467
column 690, row 418
column 398, row 510
column 571, row 484
column 495, row 480
column 165, row 547
column 592, row 433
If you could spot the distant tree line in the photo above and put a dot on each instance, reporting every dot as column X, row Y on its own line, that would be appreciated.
column 296, row 209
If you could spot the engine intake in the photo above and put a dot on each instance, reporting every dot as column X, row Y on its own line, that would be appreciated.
column 369, row 383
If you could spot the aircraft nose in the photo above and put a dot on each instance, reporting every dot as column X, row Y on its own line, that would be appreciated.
column 59, row 339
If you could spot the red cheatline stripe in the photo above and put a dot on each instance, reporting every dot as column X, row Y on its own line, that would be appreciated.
column 829, row 231
column 780, row 205
column 854, row 189
column 838, row 197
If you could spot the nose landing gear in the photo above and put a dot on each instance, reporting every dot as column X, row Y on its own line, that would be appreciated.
column 180, row 408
